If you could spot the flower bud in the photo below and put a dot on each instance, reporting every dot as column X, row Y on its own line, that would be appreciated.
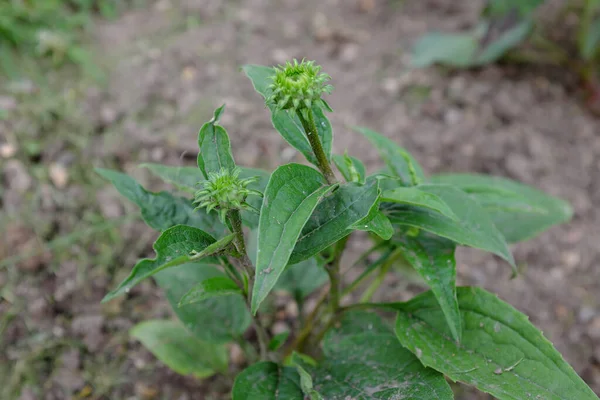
column 224, row 191
column 297, row 86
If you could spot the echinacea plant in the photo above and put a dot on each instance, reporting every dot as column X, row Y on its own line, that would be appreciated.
column 247, row 234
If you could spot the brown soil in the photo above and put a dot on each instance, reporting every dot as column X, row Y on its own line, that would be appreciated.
column 173, row 62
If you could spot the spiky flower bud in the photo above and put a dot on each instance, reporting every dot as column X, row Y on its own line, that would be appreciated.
column 298, row 86
column 224, row 191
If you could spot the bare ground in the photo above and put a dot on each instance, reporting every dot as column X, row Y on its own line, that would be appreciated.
column 170, row 65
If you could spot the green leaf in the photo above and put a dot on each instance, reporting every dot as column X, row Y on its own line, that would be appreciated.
column 474, row 227
column 364, row 360
column 502, row 34
column 486, row 43
column 184, row 178
column 185, row 354
column 333, row 218
column 398, row 160
column 216, row 319
column 162, row 210
column 520, row 212
column 215, row 149
column 291, row 195
column 503, row 7
column 173, row 247
column 267, row 381
column 433, row 258
column 451, row 49
column 501, row 352
column 306, row 384
column 377, row 223
column 590, row 44
column 278, row 340
column 351, row 168
column 414, row 196
column 210, row 287
column 288, row 125
column 302, row 279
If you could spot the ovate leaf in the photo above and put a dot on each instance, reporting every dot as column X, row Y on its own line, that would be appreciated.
column 414, row 196
column 520, row 212
column 351, row 168
column 216, row 319
column 184, row 178
column 291, row 195
column 433, row 258
column 267, row 381
column 173, row 247
column 398, row 160
column 185, row 354
column 162, row 210
column 364, row 360
column 210, row 287
column 288, row 125
column 215, row 148
column 501, row 352
column 334, row 216
column 187, row 179
column 452, row 49
column 473, row 228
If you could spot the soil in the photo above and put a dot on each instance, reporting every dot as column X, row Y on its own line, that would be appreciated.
column 169, row 65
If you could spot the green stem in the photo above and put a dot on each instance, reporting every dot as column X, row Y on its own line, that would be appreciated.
column 368, row 271
column 333, row 270
column 235, row 220
column 310, row 128
column 366, row 297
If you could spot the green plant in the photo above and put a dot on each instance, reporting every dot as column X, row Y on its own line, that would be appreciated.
column 48, row 29
column 509, row 29
column 287, row 230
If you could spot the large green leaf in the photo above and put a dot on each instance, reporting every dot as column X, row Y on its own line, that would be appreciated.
column 520, row 212
column 185, row 354
column 452, row 49
column 217, row 319
column 433, row 258
column 333, row 217
column 398, row 160
column 303, row 278
column 186, row 178
column 289, row 125
column 162, row 210
column 474, row 227
column 501, row 352
column 210, row 287
column 364, row 361
column 215, row 149
column 177, row 245
column 267, row 381
column 414, row 196
column 291, row 195
column 486, row 43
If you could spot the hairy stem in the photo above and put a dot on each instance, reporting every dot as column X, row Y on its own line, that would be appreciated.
column 333, row 270
column 235, row 220
column 310, row 128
